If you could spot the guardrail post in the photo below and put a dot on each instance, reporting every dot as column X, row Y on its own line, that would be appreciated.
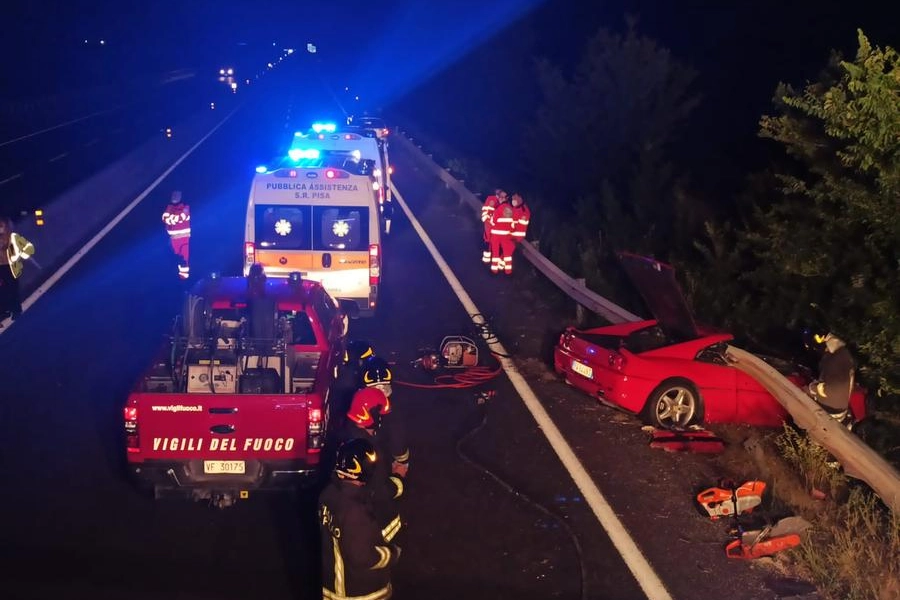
column 580, row 316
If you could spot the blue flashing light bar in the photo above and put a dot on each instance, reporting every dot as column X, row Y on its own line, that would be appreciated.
column 326, row 127
column 261, row 169
column 297, row 153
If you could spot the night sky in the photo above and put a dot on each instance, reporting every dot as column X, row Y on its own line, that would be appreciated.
column 741, row 48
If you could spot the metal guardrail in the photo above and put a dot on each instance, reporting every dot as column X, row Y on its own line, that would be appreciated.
column 571, row 287
column 858, row 459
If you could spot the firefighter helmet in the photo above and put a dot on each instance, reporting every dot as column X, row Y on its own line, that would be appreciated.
column 358, row 350
column 368, row 406
column 355, row 460
column 376, row 373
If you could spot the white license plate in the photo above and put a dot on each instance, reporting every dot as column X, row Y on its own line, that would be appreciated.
column 581, row 369
column 217, row 467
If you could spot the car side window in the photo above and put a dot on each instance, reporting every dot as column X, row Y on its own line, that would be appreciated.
column 327, row 310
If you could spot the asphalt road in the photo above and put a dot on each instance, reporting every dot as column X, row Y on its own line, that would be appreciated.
column 485, row 489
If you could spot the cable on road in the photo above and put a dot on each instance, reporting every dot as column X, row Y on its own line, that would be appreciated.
column 518, row 493
column 465, row 378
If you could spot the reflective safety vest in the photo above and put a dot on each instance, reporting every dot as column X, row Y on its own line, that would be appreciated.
column 19, row 249
column 177, row 218
column 502, row 222
column 521, row 217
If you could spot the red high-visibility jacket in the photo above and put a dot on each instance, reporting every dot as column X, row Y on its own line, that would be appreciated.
column 521, row 218
column 177, row 218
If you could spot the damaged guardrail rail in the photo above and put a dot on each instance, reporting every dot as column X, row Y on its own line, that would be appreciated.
column 858, row 459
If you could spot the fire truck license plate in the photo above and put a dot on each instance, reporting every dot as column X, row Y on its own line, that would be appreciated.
column 582, row 369
column 233, row 467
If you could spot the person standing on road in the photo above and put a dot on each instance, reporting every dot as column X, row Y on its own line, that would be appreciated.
column 364, row 421
column 487, row 211
column 356, row 559
column 14, row 250
column 502, row 244
column 521, row 217
column 177, row 218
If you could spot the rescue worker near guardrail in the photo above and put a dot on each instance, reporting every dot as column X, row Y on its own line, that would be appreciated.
column 356, row 559
column 521, row 217
column 833, row 388
column 14, row 251
column 365, row 418
column 487, row 211
column 177, row 218
column 502, row 244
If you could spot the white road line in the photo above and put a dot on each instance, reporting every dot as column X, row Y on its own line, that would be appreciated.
column 59, row 156
column 29, row 135
column 8, row 179
column 51, row 281
column 644, row 574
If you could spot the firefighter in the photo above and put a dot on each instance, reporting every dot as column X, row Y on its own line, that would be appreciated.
column 14, row 250
column 365, row 418
column 834, row 386
column 487, row 211
column 356, row 559
column 349, row 373
column 377, row 373
column 177, row 218
column 502, row 244
column 521, row 217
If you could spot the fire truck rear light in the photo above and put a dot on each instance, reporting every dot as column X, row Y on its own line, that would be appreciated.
column 131, row 413
column 315, row 430
column 249, row 253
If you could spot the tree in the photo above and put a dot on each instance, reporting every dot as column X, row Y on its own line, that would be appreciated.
column 831, row 239
column 601, row 144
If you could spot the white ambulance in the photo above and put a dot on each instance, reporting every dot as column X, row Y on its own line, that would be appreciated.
column 327, row 139
column 322, row 222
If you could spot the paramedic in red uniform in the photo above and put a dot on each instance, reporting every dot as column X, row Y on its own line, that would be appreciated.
column 487, row 211
column 502, row 244
column 177, row 218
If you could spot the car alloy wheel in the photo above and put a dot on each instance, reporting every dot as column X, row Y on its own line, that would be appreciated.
column 674, row 404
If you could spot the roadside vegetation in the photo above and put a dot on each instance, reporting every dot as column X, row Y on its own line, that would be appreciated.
column 808, row 239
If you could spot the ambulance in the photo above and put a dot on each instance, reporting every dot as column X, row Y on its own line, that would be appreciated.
column 328, row 139
column 320, row 222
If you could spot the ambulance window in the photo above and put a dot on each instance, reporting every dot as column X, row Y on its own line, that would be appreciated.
column 283, row 227
column 341, row 228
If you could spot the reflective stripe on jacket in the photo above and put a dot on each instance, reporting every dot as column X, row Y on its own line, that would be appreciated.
column 19, row 249
column 487, row 209
column 521, row 217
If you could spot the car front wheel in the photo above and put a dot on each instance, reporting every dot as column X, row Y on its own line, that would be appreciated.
column 674, row 404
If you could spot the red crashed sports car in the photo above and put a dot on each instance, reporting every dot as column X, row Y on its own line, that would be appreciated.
column 671, row 371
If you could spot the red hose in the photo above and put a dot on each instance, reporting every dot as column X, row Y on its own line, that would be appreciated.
column 463, row 379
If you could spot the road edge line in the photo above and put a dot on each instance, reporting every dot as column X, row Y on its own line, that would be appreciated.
column 628, row 549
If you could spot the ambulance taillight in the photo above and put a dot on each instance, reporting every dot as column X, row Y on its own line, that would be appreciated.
column 374, row 264
column 249, row 253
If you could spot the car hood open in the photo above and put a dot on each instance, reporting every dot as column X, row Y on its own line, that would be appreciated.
column 657, row 284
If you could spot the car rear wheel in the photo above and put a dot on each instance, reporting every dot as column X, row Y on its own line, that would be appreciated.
column 674, row 404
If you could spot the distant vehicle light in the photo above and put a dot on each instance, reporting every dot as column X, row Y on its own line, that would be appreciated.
column 327, row 127
column 261, row 169
column 212, row 106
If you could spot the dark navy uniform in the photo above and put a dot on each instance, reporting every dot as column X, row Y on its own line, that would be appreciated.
column 356, row 560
